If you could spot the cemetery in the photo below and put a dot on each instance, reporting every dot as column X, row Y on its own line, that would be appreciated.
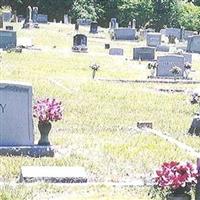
column 87, row 116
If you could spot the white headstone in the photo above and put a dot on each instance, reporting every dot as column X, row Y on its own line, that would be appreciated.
column 53, row 174
column 16, row 126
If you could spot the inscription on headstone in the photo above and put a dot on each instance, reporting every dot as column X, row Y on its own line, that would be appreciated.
column 16, row 126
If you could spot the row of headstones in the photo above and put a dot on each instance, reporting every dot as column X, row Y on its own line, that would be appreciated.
column 165, row 63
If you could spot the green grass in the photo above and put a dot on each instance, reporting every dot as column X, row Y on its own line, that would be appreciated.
column 95, row 132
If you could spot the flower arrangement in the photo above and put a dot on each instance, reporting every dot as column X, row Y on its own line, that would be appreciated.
column 47, row 110
column 174, row 178
column 95, row 68
column 175, row 71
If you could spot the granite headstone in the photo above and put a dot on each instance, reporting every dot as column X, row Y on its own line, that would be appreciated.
column 16, row 127
column 144, row 53
column 165, row 64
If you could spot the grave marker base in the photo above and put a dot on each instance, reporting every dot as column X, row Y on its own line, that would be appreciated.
column 31, row 151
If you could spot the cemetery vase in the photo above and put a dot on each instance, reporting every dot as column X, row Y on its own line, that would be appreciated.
column 178, row 197
column 44, row 128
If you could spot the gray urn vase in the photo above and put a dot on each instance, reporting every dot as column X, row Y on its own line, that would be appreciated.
column 178, row 197
column 44, row 128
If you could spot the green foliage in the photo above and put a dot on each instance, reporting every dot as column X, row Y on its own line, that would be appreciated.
column 84, row 9
column 148, row 13
column 190, row 18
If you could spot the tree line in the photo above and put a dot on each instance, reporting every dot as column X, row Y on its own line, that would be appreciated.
column 155, row 14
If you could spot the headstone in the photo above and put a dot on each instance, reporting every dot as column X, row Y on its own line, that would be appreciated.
column 7, row 15
column 176, row 32
column 35, row 14
column 113, row 23
column 66, row 19
column 107, row 46
column 16, row 127
column 9, row 28
column 8, row 39
column 94, row 27
column 144, row 53
column 153, row 39
column 53, row 174
column 133, row 24
column 1, row 21
column 116, row 52
column 188, row 34
column 76, row 26
column 80, row 43
column 142, row 125
column 193, row 44
column 84, row 22
column 43, row 19
column 124, row 34
column 20, row 18
column 28, row 21
column 165, row 64
column 163, row 48
column 162, row 31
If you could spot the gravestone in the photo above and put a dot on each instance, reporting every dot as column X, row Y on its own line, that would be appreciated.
column 113, row 23
column 16, row 127
column 187, row 34
column 1, row 21
column 133, row 23
column 94, row 27
column 193, row 44
column 28, row 20
column 144, row 53
column 116, row 52
column 43, row 19
column 7, row 15
column 66, row 19
column 76, row 26
column 124, row 34
column 175, row 32
column 153, row 39
column 107, row 46
column 8, row 39
column 84, row 22
column 53, row 174
column 163, row 48
column 35, row 14
column 165, row 64
column 9, row 28
column 80, row 43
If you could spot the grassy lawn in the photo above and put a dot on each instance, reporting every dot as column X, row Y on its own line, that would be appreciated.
column 97, row 131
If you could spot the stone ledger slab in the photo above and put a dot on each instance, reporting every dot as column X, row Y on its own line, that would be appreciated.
column 53, row 174
column 30, row 151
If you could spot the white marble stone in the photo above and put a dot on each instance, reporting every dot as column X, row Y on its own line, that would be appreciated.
column 16, row 126
column 53, row 174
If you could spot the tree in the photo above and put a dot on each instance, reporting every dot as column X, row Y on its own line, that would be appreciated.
column 190, row 17
column 165, row 13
